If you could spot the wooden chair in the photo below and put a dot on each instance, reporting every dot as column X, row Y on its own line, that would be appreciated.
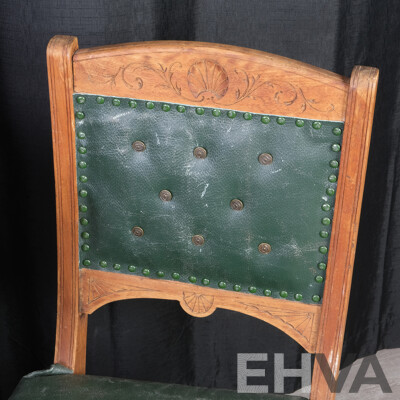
column 206, row 174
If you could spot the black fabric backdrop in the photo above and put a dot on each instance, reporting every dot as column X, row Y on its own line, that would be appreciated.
column 148, row 339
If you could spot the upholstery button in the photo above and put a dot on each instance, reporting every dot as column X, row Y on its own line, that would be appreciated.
column 264, row 248
column 166, row 107
column 335, row 147
column 199, row 111
column 85, row 247
column 324, row 234
column 337, row 131
column 117, row 267
column 237, row 288
column 205, row 281
column 316, row 298
column 137, row 231
column 216, row 112
column 100, row 100
column 138, row 146
column 252, row 289
column 332, row 178
column 149, row 105
column 198, row 240
column 80, row 114
column 83, row 178
column 280, row 120
column 330, row 191
column 85, row 235
column 82, row 164
column 298, row 296
column 267, row 292
column 247, row 116
column 180, row 108
column 192, row 279
column 80, row 99
column 81, row 135
column 265, row 159
column 299, row 123
column 322, row 266
column 84, row 221
column 323, row 249
column 83, row 193
column 165, row 195
column 326, row 207
column 131, row 268
column 334, row 164
column 283, row 294
column 103, row 264
column 146, row 272
column 265, row 119
column 237, row 205
column 83, row 208
column 231, row 114
column 316, row 125
column 175, row 275
column 200, row 152
column 116, row 102
column 132, row 104
column 160, row 274
column 319, row 279
column 222, row 285
column 86, row 263
column 326, row 221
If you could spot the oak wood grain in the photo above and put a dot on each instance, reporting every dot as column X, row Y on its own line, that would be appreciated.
column 214, row 76
column 355, row 148
column 71, row 326
column 211, row 75
column 300, row 321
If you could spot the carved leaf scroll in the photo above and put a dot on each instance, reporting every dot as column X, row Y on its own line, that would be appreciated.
column 301, row 322
column 100, row 288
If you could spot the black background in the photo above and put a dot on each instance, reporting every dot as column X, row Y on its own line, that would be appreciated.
column 156, row 340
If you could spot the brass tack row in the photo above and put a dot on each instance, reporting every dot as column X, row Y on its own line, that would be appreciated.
column 327, row 207
column 265, row 119
column 201, row 153
column 198, row 240
column 82, row 150
column 204, row 281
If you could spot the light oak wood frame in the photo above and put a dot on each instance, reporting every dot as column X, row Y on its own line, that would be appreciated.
column 251, row 81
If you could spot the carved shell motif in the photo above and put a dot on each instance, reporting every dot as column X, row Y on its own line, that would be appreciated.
column 208, row 78
column 198, row 303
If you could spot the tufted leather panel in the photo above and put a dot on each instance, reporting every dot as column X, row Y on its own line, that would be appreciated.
column 271, row 240
column 81, row 387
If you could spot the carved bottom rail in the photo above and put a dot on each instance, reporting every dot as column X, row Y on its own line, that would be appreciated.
column 299, row 321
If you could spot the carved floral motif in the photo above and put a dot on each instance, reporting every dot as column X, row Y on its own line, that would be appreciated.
column 207, row 79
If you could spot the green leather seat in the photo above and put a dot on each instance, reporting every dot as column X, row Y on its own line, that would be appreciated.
column 86, row 387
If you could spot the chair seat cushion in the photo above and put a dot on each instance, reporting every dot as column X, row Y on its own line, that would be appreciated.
column 85, row 387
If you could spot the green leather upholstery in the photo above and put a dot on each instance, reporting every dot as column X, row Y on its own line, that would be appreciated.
column 84, row 387
column 128, row 151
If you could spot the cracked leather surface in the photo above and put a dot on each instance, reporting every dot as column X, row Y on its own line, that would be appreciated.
column 283, row 201
column 81, row 387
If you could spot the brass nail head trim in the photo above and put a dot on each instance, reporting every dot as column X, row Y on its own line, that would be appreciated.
column 137, row 231
column 198, row 240
column 264, row 248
